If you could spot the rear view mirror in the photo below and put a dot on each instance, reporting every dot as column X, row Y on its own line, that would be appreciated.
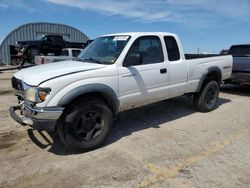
column 132, row 60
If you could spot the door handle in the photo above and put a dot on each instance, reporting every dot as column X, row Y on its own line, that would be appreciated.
column 163, row 71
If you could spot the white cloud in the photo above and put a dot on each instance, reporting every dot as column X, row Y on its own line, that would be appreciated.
column 3, row 5
column 194, row 12
column 145, row 10
column 228, row 8
column 20, row 4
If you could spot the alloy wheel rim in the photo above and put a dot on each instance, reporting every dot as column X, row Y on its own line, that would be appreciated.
column 89, row 126
column 34, row 52
column 211, row 96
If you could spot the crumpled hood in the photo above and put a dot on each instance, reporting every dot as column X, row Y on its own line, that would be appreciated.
column 33, row 76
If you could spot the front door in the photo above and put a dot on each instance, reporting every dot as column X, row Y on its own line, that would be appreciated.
column 148, row 81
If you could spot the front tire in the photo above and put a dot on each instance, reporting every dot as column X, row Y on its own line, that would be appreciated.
column 207, row 99
column 86, row 126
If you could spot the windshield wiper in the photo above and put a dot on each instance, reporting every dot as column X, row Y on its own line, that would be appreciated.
column 92, row 60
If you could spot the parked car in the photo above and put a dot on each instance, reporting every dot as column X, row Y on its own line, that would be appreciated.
column 241, row 65
column 116, row 72
column 47, row 44
column 67, row 54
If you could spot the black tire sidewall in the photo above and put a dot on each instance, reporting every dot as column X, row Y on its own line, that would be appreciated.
column 200, row 98
column 80, row 146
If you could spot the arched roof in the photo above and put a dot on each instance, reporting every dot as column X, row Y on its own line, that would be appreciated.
column 30, row 31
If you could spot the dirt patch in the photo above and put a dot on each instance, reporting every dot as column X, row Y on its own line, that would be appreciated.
column 6, row 78
column 7, row 92
column 185, row 173
column 8, row 139
column 163, row 134
column 245, row 180
column 33, row 180
column 4, row 114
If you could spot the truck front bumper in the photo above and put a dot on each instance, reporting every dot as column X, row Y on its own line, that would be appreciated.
column 38, row 118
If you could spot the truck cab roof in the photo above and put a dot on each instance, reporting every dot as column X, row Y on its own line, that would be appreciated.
column 141, row 33
column 241, row 49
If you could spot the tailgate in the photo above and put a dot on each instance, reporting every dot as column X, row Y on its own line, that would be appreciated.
column 241, row 64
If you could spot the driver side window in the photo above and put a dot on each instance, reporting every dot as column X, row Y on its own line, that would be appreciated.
column 149, row 48
column 49, row 38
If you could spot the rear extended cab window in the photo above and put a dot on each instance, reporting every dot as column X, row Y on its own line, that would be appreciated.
column 172, row 48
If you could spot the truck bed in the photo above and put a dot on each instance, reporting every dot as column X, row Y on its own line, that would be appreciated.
column 196, row 56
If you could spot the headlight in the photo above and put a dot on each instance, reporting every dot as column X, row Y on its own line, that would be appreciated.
column 31, row 94
column 37, row 94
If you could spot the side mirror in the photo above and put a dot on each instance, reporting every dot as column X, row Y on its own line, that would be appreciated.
column 132, row 60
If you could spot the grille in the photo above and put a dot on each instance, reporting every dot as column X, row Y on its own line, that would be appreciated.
column 17, row 84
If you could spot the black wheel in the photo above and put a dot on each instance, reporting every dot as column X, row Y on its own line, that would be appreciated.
column 32, row 52
column 207, row 99
column 86, row 126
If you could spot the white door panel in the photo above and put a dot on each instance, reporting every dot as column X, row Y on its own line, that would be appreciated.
column 178, row 77
column 142, row 84
column 178, row 66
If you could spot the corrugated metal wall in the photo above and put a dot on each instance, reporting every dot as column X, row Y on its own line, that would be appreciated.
column 32, row 30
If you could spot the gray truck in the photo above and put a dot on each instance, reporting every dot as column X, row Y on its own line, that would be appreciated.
column 241, row 65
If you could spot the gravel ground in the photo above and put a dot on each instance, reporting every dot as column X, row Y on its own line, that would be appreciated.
column 166, row 144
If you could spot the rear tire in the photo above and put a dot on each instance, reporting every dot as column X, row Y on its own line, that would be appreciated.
column 207, row 99
column 86, row 126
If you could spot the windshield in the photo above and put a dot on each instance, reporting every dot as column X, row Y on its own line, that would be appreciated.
column 39, row 37
column 104, row 50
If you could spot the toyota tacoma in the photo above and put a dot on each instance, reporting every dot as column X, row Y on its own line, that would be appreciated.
column 79, row 99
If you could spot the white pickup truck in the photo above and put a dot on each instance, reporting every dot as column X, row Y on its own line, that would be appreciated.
column 67, row 54
column 79, row 99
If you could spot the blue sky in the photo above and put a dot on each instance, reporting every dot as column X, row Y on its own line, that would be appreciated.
column 206, row 24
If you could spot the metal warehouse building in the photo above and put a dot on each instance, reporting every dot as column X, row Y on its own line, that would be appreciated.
column 31, row 31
